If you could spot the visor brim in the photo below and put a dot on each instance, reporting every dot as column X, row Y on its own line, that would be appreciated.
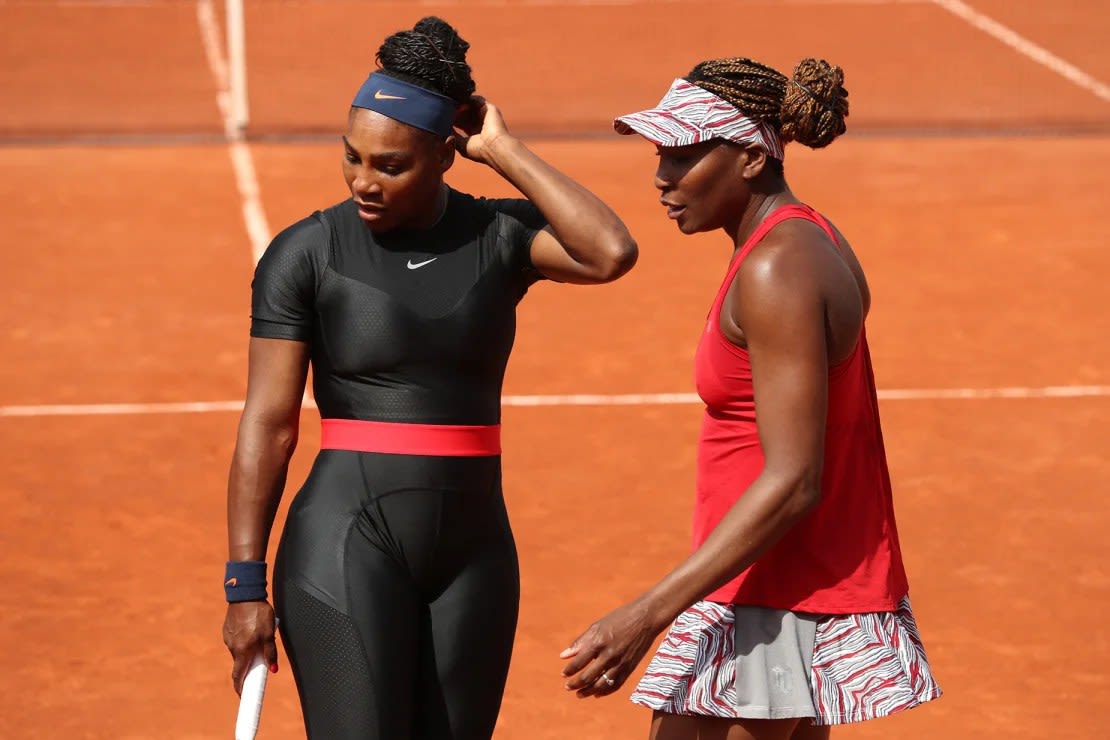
column 658, row 127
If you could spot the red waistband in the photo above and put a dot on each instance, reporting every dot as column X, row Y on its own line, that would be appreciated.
column 446, row 440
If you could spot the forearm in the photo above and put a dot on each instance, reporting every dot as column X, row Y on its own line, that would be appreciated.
column 255, row 484
column 765, row 512
column 587, row 228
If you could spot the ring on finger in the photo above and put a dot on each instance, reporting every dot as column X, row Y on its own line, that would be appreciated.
column 609, row 681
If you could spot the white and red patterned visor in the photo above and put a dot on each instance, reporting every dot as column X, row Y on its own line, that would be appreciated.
column 688, row 114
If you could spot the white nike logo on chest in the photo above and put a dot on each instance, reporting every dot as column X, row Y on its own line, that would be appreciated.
column 417, row 265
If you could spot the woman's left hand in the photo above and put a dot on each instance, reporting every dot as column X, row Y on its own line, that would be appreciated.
column 478, row 126
column 604, row 656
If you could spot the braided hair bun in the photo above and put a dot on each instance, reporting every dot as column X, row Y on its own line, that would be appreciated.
column 815, row 104
column 431, row 55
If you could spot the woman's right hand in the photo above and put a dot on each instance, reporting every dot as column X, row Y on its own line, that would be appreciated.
column 478, row 126
column 249, row 627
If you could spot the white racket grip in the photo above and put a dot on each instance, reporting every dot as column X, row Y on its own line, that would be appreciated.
column 250, row 701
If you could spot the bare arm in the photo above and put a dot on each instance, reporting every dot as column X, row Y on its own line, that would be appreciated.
column 266, row 440
column 782, row 313
column 780, row 307
column 586, row 241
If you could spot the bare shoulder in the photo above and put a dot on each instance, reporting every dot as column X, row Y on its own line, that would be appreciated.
column 794, row 255
column 855, row 266
column 796, row 276
column 781, row 281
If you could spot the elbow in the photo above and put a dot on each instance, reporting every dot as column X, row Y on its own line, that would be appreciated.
column 618, row 256
column 268, row 438
column 808, row 496
column 803, row 497
column 284, row 439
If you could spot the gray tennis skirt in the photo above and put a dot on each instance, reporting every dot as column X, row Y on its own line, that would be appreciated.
column 746, row 662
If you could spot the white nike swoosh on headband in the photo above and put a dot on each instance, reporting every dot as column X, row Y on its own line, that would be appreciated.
column 418, row 265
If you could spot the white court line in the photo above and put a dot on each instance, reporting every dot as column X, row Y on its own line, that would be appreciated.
column 1025, row 47
column 578, row 399
column 242, row 163
column 460, row 3
column 108, row 3
column 624, row 3
column 89, row 3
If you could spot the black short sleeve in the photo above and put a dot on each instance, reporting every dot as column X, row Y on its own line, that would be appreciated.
column 283, row 292
column 519, row 222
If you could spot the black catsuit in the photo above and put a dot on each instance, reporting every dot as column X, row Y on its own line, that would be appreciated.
column 396, row 579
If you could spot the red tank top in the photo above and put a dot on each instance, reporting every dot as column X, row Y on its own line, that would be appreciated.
column 843, row 557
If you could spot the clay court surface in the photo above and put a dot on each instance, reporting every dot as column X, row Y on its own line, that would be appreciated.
column 972, row 184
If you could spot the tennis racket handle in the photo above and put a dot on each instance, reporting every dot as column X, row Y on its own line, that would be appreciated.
column 250, row 700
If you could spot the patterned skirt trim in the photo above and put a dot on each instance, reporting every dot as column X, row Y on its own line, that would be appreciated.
column 864, row 666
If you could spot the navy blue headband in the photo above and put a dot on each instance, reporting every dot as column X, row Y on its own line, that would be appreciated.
column 407, row 103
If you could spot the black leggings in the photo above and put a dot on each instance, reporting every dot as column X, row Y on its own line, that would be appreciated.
column 397, row 587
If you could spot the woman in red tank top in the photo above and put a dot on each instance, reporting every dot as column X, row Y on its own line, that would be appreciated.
column 792, row 612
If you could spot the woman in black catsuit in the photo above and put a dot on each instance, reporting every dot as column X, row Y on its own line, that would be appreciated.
column 396, row 579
